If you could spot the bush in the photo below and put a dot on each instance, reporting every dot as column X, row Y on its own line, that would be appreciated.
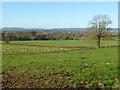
column 7, row 40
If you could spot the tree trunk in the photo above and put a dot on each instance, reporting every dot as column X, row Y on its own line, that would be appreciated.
column 98, row 42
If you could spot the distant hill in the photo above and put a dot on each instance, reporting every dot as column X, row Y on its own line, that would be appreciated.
column 42, row 29
column 14, row 29
column 53, row 30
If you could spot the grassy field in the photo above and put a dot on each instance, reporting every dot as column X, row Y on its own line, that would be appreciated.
column 52, row 67
column 67, row 42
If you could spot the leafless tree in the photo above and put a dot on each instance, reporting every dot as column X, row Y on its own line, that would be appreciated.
column 100, row 24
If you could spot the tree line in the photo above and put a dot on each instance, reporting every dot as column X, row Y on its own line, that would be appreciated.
column 36, row 35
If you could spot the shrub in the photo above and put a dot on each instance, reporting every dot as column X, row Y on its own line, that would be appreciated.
column 7, row 40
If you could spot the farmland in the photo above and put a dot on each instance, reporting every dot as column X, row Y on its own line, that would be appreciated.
column 67, row 42
column 34, row 64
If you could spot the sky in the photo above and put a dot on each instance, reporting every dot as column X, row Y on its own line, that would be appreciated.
column 56, row 14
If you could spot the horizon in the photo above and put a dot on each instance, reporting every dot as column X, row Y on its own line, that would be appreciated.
column 41, row 28
column 50, row 15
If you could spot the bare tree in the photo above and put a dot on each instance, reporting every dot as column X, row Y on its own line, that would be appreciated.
column 100, row 24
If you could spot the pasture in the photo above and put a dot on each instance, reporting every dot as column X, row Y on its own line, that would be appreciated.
column 67, row 42
column 26, row 64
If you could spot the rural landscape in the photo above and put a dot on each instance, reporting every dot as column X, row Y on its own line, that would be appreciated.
column 63, row 58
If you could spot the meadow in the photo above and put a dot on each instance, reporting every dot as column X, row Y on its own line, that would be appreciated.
column 67, row 42
column 34, row 64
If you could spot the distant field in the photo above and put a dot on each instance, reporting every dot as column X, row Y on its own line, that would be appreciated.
column 53, row 67
column 67, row 42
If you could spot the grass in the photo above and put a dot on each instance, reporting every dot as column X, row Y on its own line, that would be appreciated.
column 67, row 42
column 18, row 49
column 59, row 68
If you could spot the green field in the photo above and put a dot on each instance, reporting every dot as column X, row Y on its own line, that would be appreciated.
column 67, row 42
column 56, row 67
